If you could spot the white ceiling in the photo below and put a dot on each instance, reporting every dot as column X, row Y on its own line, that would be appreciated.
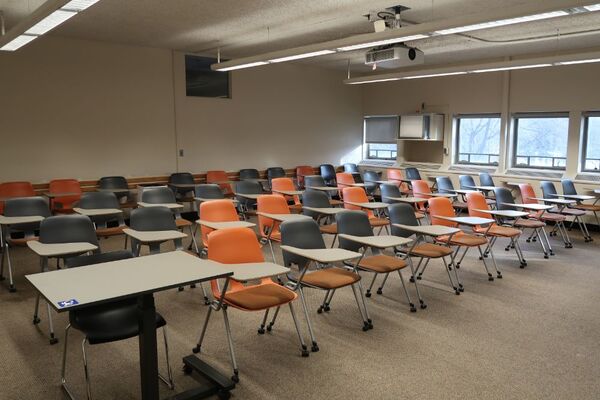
column 248, row 27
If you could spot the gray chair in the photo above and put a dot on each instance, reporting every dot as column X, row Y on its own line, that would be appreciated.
column 247, row 206
column 412, row 174
column 549, row 192
column 328, row 174
column 352, row 168
column 357, row 223
column 569, row 189
column 209, row 191
column 275, row 172
column 319, row 181
column 152, row 219
column 114, row 184
column 485, row 179
column 466, row 182
column 249, row 173
column 389, row 191
column 107, row 323
column 181, row 178
column 305, row 234
column 370, row 179
column 445, row 185
column 20, row 234
column 104, row 200
column 318, row 199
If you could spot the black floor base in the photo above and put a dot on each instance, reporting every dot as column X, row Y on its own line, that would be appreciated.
column 216, row 383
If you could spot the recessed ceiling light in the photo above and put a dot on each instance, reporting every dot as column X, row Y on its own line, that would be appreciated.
column 502, row 22
column 382, row 42
column 300, row 56
column 50, row 22
column 17, row 42
column 249, row 65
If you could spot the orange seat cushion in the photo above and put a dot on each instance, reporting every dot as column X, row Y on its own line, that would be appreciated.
column 117, row 230
column 529, row 223
column 21, row 241
column 382, row 263
column 376, row 222
column 180, row 222
column 431, row 250
column 260, row 297
column 464, row 239
column 588, row 207
column 330, row 278
column 500, row 231
column 335, row 203
column 329, row 229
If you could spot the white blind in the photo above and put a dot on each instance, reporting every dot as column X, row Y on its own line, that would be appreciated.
column 381, row 129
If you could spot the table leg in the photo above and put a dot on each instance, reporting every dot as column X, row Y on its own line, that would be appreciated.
column 147, row 345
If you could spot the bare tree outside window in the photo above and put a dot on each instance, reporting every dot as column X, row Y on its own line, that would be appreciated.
column 478, row 139
column 591, row 154
column 541, row 142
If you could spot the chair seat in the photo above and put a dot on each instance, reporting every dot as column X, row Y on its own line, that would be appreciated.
column 335, row 203
column 419, row 215
column 260, row 297
column 180, row 222
column 330, row 278
column 529, row 223
column 117, row 230
column 431, row 250
column 297, row 208
column 330, row 229
column 460, row 204
column 382, row 263
column 588, row 207
column 490, row 202
column 464, row 239
column 377, row 222
column 110, row 322
column 22, row 241
column 568, row 211
column 549, row 217
column 500, row 231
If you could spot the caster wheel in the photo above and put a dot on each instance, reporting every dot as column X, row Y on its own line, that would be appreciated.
column 320, row 310
column 379, row 291
column 235, row 378
column 12, row 289
column 305, row 353
column 458, row 266
column 419, row 277
column 423, row 306
column 53, row 340
column 196, row 350
column 546, row 256
column 223, row 395
column 413, row 308
column 506, row 249
column 499, row 276
column 368, row 294
column 206, row 302
column 180, row 289
column 269, row 328
column 365, row 327
column 461, row 289
column 412, row 279
column 491, row 278
column 456, row 292
column 528, row 240
column 36, row 320
column 314, row 348
column 261, row 331
column 480, row 258
column 187, row 369
column 327, row 308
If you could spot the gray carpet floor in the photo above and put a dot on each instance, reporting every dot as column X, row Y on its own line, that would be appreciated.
column 533, row 335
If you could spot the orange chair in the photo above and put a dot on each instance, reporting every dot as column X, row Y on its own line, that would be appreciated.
column 216, row 211
column 477, row 201
column 301, row 172
column 240, row 246
column 220, row 178
column 14, row 189
column 344, row 180
column 421, row 189
column 358, row 195
column 397, row 176
column 269, row 229
column 287, row 184
column 64, row 204
column 442, row 207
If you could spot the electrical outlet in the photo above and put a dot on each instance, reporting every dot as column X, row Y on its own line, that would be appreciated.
column 180, row 152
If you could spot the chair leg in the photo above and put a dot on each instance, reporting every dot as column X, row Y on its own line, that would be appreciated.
column 169, row 379
column 366, row 325
column 85, row 370
column 193, row 234
column 545, row 236
column 12, row 288
column 368, row 293
column 490, row 277
column 53, row 339
column 63, row 379
column 362, row 298
column 324, row 306
column 452, row 285
column 305, row 352
column 412, row 271
column 314, row 346
column 542, row 243
column 457, row 266
column 272, row 252
column 410, row 303
column 380, row 288
column 519, row 251
column 235, row 377
column 261, row 330
column 272, row 323
column 202, row 332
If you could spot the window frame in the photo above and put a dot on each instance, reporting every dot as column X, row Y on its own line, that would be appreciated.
column 515, row 139
column 584, row 141
column 366, row 145
column 457, row 118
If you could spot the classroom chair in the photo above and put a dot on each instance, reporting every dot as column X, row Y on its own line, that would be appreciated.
column 216, row 211
column 14, row 189
column 356, row 223
column 149, row 219
column 318, row 181
column 412, row 174
column 318, row 199
column 370, row 179
column 328, row 173
column 209, row 191
column 268, row 228
column 358, row 195
column 485, row 179
column 549, row 192
column 64, row 204
column 389, row 191
column 20, row 207
column 344, row 180
column 275, row 172
column 221, row 179
column 569, row 189
column 301, row 172
column 352, row 169
column 466, row 182
column 114, row 183
column 240, row 246
column 287, row 184
column 181, row 178
column 249, row 173
column 421, row 189
column 246, row 205
column 107, row 323
column 104, row 200
column 396, row 176
column 445, row 185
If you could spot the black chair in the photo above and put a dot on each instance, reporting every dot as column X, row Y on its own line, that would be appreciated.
column 209, row 191
column 249, row 173
column 549, row 192
column 352, row 168
column 357, row 223
column 569, row 189
column 247, row 206
column 389, row 191
column 318, row 199
column 370, row 179
column 20, row 234
column 107, row 323
column 328, row 174
column 152, row 219
column 275, row 172
column 466, row 182
column 104, row 200
column 318, row 181
column 445, row 185
column 113, row 184
column 412, row 174
column 485, row 179
column 181, row 178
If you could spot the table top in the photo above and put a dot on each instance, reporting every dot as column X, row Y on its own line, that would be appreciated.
column 204, row 199
column 283, row 217
column 252, row 271
column 438, row 194
column 325, row 210
column 289, row 192
column 20, row 220
column 66, row 194
column 73, row 288
column 471, row 221
column 183, row 185
column 368, row 205
column 554, row 201
column 252, row 196
column 412, row 200
column 505, row 213
column 114, row 190
column 59, row 249
column 429, row 230
column 576, row 196
column 484, row 188
column 324, row 256
column 464, row 191
column 388, row 182
column 154, row 236
column 171, row 206
column 323, row 188
column 514, row 184
column 530, row 206
column 91, row 212
column 380, row 242
column 225, row 224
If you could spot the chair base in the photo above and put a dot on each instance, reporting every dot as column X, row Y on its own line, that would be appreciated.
column 216, row 382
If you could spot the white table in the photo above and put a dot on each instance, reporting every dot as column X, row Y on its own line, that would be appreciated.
column 368, row 205
column 141, row 277
column 530, row 206
column 470, row 221
column 225, row 224
column 289, row 192
column 170, row 206
column 436, row 194
column 97, row 212
column 577, row 197
column 505, row 213
column 252, row 271
column 463, row 191
column 323, row 188
column 325, row 210
column 410, row 199
column 379, row 242
column 429, row 230
column 323, row 256
column 251, row 196
column 283, row 217
column 153, row 239
column 204, row 199
column 484, row 188
column 561, row 202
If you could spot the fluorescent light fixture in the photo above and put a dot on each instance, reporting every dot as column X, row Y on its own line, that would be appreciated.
column 300, row 56
column 79, row 5
column 382, row 42
column 502, row 22
column 435, row 75
column 477, row 71
column 593, row 7
column 17, row 42
column 592, row 60
column 374, row 81
column 249, row 65
column 50, row 22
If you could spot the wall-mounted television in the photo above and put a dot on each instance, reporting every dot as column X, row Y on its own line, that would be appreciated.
column 201, row 81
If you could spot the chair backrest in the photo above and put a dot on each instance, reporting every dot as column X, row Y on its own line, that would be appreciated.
column 64, row 186
column 216, row 211
column 343, row 180
column 68, row 229
column 26, row 206
column 351, row 167
column 476, row 201
column 370, row 179
column 413, row 174
column 503, row 195
column 209, row 191
column 466, row 181
column 568, row 187
column 81, row 261
column 314, row 180
column 548, row 189
column 248, row 187
column 527, row 193
column 233, row 246
column 444, row 184
column 304, row 234
column 275, row 172
column 441, row 206
column 421, row 189
column 285, row 184
column 181, row 178
column 219, row 176
column 303, row 171
column 272, row 204
column 158, row 195
column 352, row 223
column 356, row 195
column 16, row 189
column 152, row 219
column 396, row 175
column 485, row 179
column 328, row 173
column 113, row 182
column 404, row 214
column 387, row 191
column 249, row 173
column 98, row 200
column 314, row 198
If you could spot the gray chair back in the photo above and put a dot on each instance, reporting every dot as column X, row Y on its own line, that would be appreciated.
column 249, row 173
column 209, row 191
column 275, row 172
column 404, row 214
column 25, row 207
column 314, row 180
column 90, row 200
column 387, row 191
column 248, row 187
column 158, row 195
column 444, row 184
column 113, row 182
column 328, row 174
column 568, row 187
column 181, row 178
column 314, row 198
column 413, row 174
column 304, row 234
column 81, row 261
column 152, row 219
column 485, row 179
column 353, row 223
column 351, row 167
column 466, row 182
column 68, row 229
column 370, row 179
column 503, row 195
column 548, row 189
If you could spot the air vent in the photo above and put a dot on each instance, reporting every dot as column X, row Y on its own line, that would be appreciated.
column 535, row 174
column 588, row 177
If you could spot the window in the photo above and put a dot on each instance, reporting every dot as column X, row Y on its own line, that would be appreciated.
column 380, row 137
column 478, row 139
column 591, row 143
column 541, row 140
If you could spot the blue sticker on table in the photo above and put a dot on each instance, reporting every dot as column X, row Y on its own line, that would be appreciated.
column 67, row 303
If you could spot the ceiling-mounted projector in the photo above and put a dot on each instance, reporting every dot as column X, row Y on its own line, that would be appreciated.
column 394, row 57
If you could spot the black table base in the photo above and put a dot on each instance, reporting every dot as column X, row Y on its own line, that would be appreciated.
column 216, row 383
